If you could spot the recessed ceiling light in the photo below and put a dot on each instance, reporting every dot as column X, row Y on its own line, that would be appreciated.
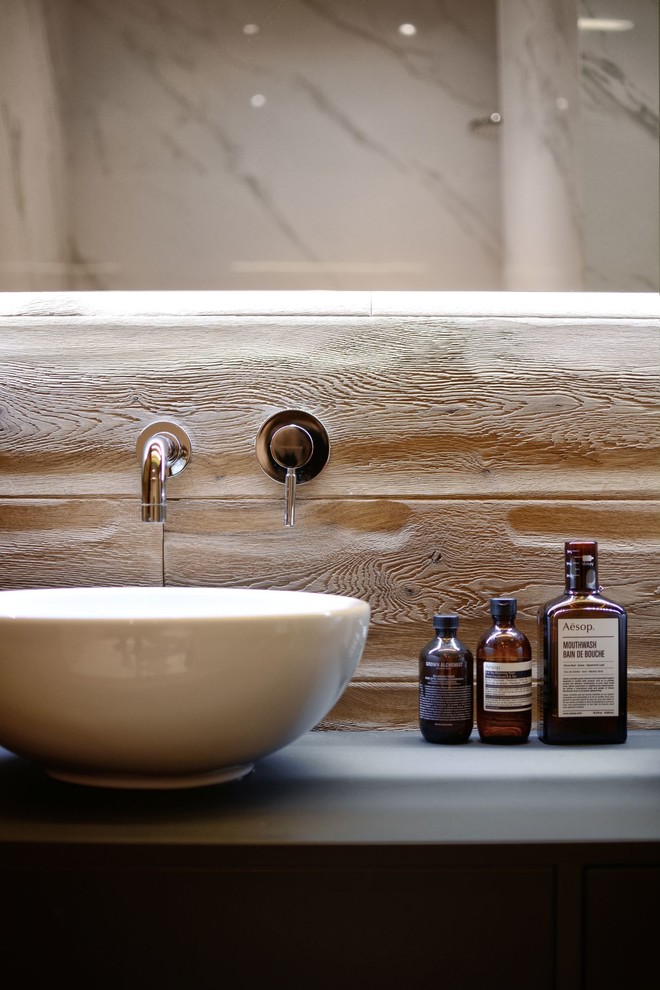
column 258, row 100
column 407, row 29
column 604, row 24
column 250, row 29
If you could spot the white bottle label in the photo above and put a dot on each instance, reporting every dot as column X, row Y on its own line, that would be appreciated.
column 507, row 686
column 588, row 661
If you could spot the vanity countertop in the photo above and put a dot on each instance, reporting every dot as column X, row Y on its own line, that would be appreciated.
column 361, row 850
column 360, row 788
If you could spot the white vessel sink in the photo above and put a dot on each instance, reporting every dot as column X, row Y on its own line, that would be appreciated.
column 169, row 687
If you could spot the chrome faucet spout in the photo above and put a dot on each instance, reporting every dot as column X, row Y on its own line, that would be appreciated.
column 154, row 478
column 163, row 450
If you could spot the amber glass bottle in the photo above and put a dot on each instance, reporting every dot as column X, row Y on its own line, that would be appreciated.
column 583, row 657
column 446, row 708
column 504, row 678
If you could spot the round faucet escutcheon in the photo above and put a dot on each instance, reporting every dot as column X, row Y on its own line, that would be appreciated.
column 292, row 447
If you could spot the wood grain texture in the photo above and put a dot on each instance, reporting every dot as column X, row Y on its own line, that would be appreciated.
column 364, row 707
column 69, row 542
column 464, row 450
column 414, row 406
column 409, row 559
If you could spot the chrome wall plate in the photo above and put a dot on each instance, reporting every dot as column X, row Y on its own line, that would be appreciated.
column 312, row 426
column 180, row 446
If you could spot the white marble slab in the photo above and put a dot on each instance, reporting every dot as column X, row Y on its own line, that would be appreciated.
column 320, row 145
column 620, row 144
column 33, row 183
column 324, row 150
column 542, row 224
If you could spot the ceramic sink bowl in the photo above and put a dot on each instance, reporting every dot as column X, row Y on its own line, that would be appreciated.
column 169, row 687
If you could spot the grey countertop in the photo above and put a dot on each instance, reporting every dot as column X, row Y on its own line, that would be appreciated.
column 363, row 788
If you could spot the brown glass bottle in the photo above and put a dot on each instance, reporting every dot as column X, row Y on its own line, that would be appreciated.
column 446, row 707
column 583, row 657
column 504, row 678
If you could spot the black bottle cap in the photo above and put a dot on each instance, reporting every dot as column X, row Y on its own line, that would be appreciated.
column 446, row 622
column 503, row 608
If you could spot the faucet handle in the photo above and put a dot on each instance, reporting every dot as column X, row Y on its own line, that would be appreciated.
column 292, row 447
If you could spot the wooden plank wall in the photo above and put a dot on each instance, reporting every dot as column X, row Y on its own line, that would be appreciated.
column 464, row 451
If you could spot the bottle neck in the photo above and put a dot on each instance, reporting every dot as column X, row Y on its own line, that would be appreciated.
column 501, row 623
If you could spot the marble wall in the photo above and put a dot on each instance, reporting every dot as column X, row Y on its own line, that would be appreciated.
column 34, row 222
column 620, row 147
column 301, row 144
column 196, row 144
column 539, row 92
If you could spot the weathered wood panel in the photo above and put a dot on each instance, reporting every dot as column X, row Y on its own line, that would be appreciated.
column 69, row 542
column 409, row 559
column 465, row 448
column 365, row 706
column 418, row 406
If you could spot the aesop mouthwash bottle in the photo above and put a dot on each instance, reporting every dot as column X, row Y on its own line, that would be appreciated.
column 582, row 647
column 446, row 711
column 504, row 678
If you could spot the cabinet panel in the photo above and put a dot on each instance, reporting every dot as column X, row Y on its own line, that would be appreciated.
column 323, row 928
column 622, row 919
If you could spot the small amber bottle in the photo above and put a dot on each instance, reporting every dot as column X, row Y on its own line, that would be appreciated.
column 504, row 678
column 446, row 708
column 583, row 657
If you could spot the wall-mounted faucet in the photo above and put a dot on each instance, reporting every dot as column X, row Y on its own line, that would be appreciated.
column 163, row 449
column 292, row 447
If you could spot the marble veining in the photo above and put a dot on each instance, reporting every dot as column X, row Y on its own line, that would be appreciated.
column 252, row 144
column 620, row 147
column 539, row 95
column 421, row 62
column 606, row 84
column 230, row 148
column 331, row 179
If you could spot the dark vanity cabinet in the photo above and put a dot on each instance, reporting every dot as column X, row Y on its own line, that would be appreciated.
column 365, row 861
